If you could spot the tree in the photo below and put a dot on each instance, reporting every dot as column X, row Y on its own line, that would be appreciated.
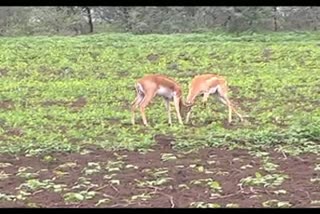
column 89, row 17
column 14, row 20
column 275, row 21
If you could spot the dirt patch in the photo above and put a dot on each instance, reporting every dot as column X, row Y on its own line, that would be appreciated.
column 55, row 102
column 63, row 129
column 153, row 57
column 112, row 121
column 3, row 72
column 123, row 73
column 243, row 103
column 301, row 170
column 78, row 103
column 74, row 105
column 7, row 104
column 173, row 66
column 235, row 123
column 235, row 89
column 125, row 105
column 166, row 142
column 14, row 132
column 158, row 177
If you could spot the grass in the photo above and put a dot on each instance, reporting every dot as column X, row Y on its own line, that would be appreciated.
column 274, row 80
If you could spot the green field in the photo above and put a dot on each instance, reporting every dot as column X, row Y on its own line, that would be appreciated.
column 66, row 138
column 63, row 93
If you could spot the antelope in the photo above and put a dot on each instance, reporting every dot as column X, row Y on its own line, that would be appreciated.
column 156, row 84
column 209, row 84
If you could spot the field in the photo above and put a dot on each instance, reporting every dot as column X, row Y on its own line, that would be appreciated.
column 66, row 138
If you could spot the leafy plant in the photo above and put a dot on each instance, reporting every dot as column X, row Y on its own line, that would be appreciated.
column 204, row 205
column 269, row 180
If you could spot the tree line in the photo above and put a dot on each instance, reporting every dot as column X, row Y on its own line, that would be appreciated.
column 76, row 20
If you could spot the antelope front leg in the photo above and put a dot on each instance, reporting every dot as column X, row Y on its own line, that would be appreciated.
column 134, row 106
column 133, row 118
column 233, row 109
column 144, row 103
column 227, row 102
column 205, row 98
column 188, row 116
column 176, row 104
column 224, row 101
column 167, row 102
column 143, row 115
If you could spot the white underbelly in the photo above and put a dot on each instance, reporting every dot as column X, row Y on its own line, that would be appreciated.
column 213, row 90
column 165, row 92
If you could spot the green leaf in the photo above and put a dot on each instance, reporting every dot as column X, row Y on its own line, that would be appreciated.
column 201, row 169
column 258, row 175
column 231, row 205
column 73, row 197
column 284, row 204
column 215, row 185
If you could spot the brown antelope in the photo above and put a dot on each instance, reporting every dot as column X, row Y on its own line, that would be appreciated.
column 156, row 84
column 208, row 84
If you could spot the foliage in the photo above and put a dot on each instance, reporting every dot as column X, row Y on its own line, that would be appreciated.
column 68, row 92
column 79, row 20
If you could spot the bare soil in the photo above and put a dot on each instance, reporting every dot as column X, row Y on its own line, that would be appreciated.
column 75, row 105
column 6, row 104
column 179, row 190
